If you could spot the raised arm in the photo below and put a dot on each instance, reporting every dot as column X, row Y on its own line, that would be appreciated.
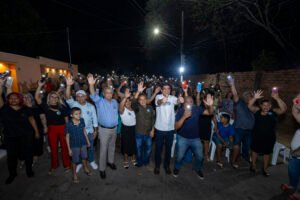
column 257, row 95
column 69, row 82
column 38, row 91
column 92, row 82
column 140, row 90
column 233, row 89
column 281, row 105
column 209, row 102
column 157, row 90
column 123, row 102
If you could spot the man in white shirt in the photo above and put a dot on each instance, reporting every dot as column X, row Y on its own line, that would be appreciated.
column 89, row 115
column 165, row 126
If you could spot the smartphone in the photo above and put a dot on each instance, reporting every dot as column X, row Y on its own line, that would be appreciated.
column 275, row 90
column 9, row 81
column 199, row 86
column 229, row 77
column 184, row 85
column 188, row 108
column 62, row 85
column 44, row 77
column 5, row 74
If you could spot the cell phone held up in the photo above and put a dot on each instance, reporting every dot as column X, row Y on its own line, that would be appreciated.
column 44, row 77
column 275, row 90
column 4, row 74
column 184, row 85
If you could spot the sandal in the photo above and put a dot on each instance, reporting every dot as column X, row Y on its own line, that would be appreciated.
column 50, row 172
column 294, row 196
column 75, row 180
column 265, row 173
column 220, row 164
column 235, row 165
column 134, row 162
column 253, row 169
column 126, row 164
column 88, row 173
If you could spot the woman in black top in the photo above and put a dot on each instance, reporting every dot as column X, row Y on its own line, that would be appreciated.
column 19, row 128
column 57, row 118
column 264, row 135
column 40, row 118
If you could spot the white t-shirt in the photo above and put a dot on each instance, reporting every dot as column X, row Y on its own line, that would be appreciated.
column 128, row 117
column 295, row 144
column 165, row 114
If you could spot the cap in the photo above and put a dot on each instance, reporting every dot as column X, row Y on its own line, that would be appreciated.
column 80, row 92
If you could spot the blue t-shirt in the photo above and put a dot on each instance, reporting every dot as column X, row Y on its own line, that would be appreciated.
column 190, row 127
column 244, row 118
column 76, row 134
column 225, row 131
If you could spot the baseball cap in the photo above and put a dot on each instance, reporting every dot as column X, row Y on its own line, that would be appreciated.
column 80, row 92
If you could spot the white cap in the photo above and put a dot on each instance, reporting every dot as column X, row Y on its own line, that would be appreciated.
column 80, row 92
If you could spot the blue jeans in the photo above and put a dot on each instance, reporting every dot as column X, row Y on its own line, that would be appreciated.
column 183, row 144
column 143, row 149
column 90, row 150
column 163, row 138
column 243, row 136
column 294, row 172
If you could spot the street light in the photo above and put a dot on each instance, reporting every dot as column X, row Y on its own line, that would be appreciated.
column 156, row 31
column 181, row 70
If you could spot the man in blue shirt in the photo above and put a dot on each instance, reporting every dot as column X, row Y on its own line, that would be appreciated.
column 243, row 124
column 187, row 125
column 107, row 111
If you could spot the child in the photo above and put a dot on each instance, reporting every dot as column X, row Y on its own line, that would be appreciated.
column 77, row 141
column 223, row 136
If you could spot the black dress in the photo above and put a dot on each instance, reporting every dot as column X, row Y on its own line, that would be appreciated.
column 264, row 136
column 38, row 144
column 205, row 127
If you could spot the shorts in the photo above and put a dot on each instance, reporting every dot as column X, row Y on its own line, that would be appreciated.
column 217, row 141
column 240, row 134
column 79, row 154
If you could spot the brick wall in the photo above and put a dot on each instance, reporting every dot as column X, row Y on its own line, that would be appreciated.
column 288, row 82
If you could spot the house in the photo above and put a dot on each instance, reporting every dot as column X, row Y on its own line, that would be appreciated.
column 26, row 71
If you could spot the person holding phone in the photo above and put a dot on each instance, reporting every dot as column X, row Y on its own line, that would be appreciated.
column 264, row 135
column 187, row 127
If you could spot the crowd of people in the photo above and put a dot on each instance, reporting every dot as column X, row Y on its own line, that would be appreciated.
column 73, row 112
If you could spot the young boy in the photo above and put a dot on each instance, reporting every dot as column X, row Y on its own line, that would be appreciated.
column 223, row 136
column 77, row 141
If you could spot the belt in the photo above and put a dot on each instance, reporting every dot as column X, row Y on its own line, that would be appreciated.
column 108, row 127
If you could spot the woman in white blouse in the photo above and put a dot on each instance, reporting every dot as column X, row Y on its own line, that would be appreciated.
column 128, row 130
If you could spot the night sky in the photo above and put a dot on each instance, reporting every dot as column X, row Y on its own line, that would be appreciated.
column 108, row 35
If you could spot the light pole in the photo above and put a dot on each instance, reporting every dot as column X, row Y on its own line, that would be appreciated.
column 181, row 70
column 156, row 32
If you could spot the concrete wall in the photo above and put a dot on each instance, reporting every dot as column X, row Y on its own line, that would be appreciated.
column 288, row 82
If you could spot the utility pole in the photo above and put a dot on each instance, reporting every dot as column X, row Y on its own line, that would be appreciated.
column 69, row 50
column 182, row 57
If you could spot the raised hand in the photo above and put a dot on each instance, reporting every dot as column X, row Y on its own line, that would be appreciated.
column 157, row 90
column 209, row 100
column 41, row 84
column 187, row 114
column 181, row 99
column 258, row 94
column 127, row 93
column 91, row 79
column 69, row 81
column 230, row 80
column 141, row 87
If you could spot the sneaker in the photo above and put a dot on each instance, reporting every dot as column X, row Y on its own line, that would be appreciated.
column 102, row 174
column 112, row 166
column 200, row 175
column 175, row 172
column 78, row 168
column 94, row 165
